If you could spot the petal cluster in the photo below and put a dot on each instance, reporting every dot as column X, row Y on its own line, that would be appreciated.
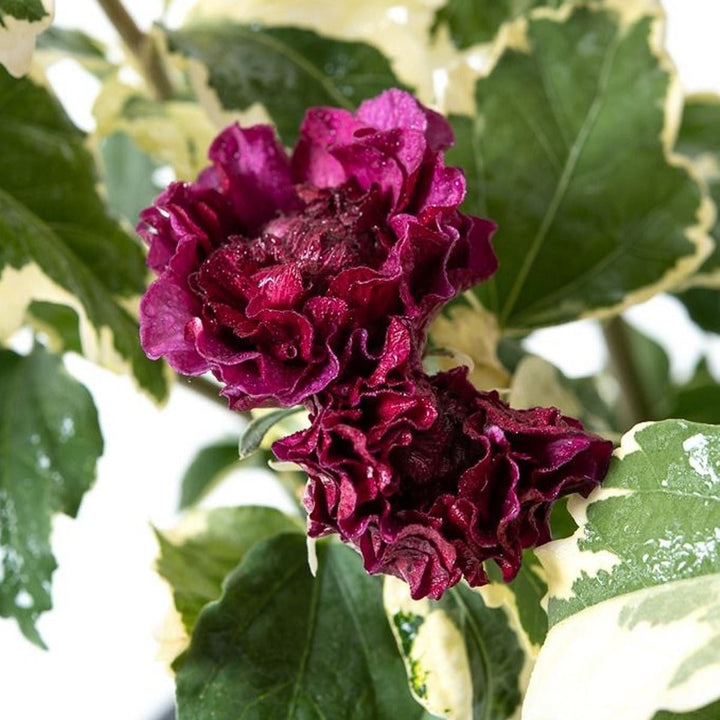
column 312, row 277
column 431, row 479
column 273, row 267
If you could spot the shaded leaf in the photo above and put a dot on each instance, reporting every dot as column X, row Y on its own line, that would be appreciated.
column 522, row 596
column 255, row 432
column 173, row 132
column 699, row 139
column 281, row 643
column 710, row 712
column 703, row 306
column 31, row 10
column 286, row 69
column 477, row 21
column 70, row 41
column 460, row 632
column 571, row 162
column 699, row 399
column 196, row 556
column 207, row 467
column 128, row 174
column 60, row 322
column 651, row 369
column 49, row 444
column 57, row 241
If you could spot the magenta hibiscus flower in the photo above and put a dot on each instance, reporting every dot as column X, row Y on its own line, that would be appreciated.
column 275, row 271
column 430, row 484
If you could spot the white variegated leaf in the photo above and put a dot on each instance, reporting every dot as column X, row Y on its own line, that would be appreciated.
column 628, row 657
column 489, row 660
column 639, row 584
column 20, row 24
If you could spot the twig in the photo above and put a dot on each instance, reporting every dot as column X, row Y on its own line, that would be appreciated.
column 141, row 46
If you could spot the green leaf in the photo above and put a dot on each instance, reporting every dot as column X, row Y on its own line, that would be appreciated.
column 569, row 157
column 57, row 241
column 286, row 69
column 703, row 305
column 699, row 399
column 70, row 41
column 280, row 643
column 30, row 10
column 59, row 322
column 196, row 557
column 207, row 467
column 710, row 712
column 698, row 139
column 655, row 519
column 49, row 444
column 478, row 21
column 652, row 370
column 522, row 597
column 462, row 658
column 640, row 576
column 128, row 177
column 255, row 432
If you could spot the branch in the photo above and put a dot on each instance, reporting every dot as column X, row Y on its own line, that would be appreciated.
column 141, row 46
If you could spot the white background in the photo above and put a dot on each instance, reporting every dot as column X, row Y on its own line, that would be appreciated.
column 109, row 604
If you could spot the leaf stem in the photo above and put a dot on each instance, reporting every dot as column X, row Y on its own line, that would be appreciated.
column 633, row 405
column 141, row 45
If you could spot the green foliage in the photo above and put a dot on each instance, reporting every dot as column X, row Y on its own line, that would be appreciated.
column 462, row 632
column 527, row 591
column 286, row 69
column 568, row 158
column 698, row 399
column 709, row 712
column 280, row 643
column 49, row 444
column 258, row 428
column 641, row 575
column 698, row 140
column 196, row 563
column 128, row 175
column 495, row 656
column 59, row 322
column 208, row 465
column 30, row 10
column 477, row 21
column 71, row 42
column 655, row 520
column 53, row 222
column 703, row 306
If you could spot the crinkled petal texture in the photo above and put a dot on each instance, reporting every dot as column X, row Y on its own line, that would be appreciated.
column 430, row 479
column 276, row 271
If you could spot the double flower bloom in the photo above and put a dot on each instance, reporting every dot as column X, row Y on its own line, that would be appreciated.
column 312, row 279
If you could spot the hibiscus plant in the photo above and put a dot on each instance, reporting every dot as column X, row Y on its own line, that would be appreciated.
column 365, row 211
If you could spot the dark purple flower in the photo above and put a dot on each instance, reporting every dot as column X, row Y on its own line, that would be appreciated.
column 275, row 271
column 431, row 479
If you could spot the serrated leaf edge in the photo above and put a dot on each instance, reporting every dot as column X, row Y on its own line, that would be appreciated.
column 513, row 36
